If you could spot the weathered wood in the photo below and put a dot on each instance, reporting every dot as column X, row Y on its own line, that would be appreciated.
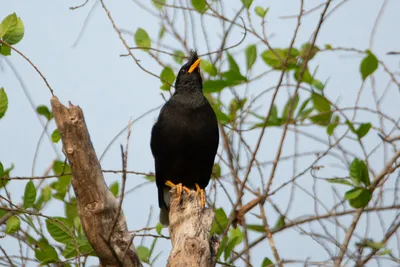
column 97, row 207
column 189, row 228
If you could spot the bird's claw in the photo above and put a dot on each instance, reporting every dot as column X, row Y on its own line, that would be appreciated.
column 186, row 189
column 179, row 188
column 200, row 192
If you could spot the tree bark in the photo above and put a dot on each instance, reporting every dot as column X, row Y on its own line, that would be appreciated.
column 97, row 207
column 189, row 228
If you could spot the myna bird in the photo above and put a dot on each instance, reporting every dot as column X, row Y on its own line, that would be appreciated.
column 184, row 140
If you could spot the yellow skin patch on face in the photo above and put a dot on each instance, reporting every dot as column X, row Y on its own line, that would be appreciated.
column 194, row 66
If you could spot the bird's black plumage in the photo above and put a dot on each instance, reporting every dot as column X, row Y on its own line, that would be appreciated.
column 184, row 140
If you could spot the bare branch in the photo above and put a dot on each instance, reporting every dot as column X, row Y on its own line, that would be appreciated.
column 97, row 207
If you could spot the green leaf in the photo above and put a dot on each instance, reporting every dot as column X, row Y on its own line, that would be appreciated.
column 359, row 172
column 83, row 245
column 208, row 67
column 359, row 198
column 44, row 111
column 232, row 63
column 220, row 222
column 45, row 253
column 304, row 114
column 233, row 77
column 213, row 86
column 167, row 78
column 318, row 84
column 351, row 126
column 3, row 102
column 236, row 234
column 29, row 221
column 247, row 3
column 6, row 174
column 114, row 188
column 276, row 60
column 339, row 181
column 235, row 105
column 159, row 4
column 222, row 246
column 150, row 178
column 200, row 5
column 261, row 11
column 159, row 228
column 12, row 29
column 267, row 263
column 385, row 252
column 307, row 78
column 228, row 249
column 306, row 49
column 178, row 56
column 55, row 136
column 46, row 193
column 375, row 245
column 29, row 195
column 12, row 225
column 322, row 105
column 280, row 223
column 8, row 24
column 256, row 228
column 363, row 129
column 161, row 33
column 332, row 126
column 235, row 238
column 143, row 253
column 5, row 50
column 273, row 119
column 216, row 171
column 288, row 104
column 328, row 47
column 221, row 116
column 142, row 39
column 368, row 65
column 71, row 211
column 1, row 170
column 251, row 55
column 303, row 106
column 63, row 182
column 59, row 230
column 353, row 193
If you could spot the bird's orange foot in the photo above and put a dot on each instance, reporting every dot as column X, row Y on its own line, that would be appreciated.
column 200, row 192
column 186, row 189
column 178, row 188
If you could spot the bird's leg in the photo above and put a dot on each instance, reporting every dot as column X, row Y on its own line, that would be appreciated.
column 202, row 195
column 178, row 188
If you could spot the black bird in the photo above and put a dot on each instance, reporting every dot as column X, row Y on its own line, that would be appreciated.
column 184, row 140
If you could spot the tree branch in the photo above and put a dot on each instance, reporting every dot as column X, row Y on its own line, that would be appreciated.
column 189, row 229
column 97, row 207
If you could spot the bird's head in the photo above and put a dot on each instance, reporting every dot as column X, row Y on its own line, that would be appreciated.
column 189, row 78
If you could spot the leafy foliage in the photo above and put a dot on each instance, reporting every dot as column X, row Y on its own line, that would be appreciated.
column 167, row 78
column 368, row 65
column 142, row 39
column 12, row 31
column 3, row 102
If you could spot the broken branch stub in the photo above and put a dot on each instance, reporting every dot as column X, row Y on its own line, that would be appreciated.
column 189, row 228
column 97, row 207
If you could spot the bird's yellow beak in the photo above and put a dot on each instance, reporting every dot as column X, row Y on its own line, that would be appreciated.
column 194, row 66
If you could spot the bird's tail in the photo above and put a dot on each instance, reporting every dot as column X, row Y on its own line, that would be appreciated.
column 164, row 219
column 164, row 214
